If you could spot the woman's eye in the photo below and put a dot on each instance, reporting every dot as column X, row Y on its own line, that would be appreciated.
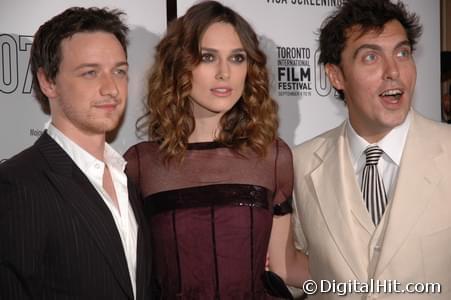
column 238, row 58
column 207, row 57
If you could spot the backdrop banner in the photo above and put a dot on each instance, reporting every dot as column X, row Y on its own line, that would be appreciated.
column 21, row 118
column 288, row 31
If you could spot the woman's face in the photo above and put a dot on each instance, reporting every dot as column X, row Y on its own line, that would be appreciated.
column 218, row 81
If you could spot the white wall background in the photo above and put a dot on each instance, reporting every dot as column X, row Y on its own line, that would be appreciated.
column 287, row 24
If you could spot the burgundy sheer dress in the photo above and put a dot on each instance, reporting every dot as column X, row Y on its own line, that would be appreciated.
column 211, row 217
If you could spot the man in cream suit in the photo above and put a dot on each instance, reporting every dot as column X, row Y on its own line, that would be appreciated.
column 381, row 215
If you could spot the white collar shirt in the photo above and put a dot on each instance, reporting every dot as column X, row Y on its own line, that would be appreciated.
column 393, row 146
column 93, row 168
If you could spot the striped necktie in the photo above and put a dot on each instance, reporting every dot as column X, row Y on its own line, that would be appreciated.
column 372, row 185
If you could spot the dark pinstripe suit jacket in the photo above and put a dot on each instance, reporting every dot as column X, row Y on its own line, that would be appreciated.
column 58, row 239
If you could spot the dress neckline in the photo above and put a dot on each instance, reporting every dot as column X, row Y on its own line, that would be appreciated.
column 204, row 145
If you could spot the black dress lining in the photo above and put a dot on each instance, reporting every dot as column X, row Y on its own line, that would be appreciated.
column 210, row 195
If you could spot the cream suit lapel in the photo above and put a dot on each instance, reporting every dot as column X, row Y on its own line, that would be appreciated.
column 419, row 173
column 339, row 199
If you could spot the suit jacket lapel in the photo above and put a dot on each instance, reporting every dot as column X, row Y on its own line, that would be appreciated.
column 340, row 199
column 418, row 175
column 78, row 192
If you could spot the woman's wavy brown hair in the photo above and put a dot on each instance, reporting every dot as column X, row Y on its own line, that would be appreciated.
column 251, row 123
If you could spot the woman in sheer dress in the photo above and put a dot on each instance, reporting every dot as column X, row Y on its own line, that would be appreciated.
column 216, row 179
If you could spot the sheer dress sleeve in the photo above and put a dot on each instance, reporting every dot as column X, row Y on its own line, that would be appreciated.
column 133, row 165
column 283, row 179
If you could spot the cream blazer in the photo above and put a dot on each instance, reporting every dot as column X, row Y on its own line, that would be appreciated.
column 412, row 244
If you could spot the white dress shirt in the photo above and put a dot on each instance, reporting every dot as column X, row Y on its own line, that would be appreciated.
column 392, row 144
column 93, row 168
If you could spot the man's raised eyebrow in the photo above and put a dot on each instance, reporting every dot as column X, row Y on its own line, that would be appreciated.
column 366, row 46
column 378, row 48
column 403, row 43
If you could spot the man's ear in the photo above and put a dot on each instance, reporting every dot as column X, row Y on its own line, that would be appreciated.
column 47, row 85
column 335, row 75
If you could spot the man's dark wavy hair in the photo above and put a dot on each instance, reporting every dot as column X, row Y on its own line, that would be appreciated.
column 368, row 15
column 46, row 48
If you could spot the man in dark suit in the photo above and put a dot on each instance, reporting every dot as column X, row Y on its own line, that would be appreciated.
column 71, row 225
